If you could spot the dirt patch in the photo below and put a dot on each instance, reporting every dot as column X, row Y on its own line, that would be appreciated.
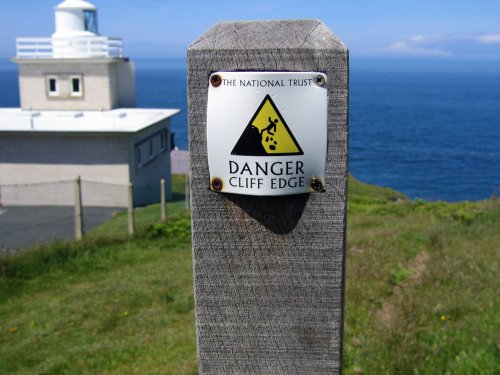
column 417, row 267
column 388, row 312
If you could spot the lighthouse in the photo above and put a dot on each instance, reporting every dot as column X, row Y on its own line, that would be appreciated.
column 78, row 117
column 76, row 68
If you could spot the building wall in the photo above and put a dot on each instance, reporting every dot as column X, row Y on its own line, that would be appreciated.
column 103, row 88
column 124, row 84
column 39, row 169
column 145, row 174
column 37, row 163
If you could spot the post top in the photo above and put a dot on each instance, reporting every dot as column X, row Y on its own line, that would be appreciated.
column 275, row 34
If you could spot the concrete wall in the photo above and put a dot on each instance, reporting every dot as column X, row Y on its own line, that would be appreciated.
column 107, row 84
column 36, row 162
column 146, row 177
column 38, row 169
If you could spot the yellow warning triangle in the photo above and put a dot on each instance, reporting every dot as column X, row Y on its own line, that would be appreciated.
column 267, row 134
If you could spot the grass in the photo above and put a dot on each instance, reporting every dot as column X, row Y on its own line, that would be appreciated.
column 422, row 286
column 422, row 293
column 127, row 309
column 106, row 305
column 144, row 216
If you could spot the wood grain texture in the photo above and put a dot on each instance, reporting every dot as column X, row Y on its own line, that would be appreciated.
column 269, row 271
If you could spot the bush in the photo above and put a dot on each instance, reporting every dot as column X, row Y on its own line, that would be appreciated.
column 179, row 228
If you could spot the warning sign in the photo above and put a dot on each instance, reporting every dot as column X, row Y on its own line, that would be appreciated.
column 267, row 132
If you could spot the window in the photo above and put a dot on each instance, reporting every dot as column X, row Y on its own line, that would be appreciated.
column 139, row 157
column 90, row 19
column 76, row 85
column 162, row 140
column 52, row 86
column 151, row 148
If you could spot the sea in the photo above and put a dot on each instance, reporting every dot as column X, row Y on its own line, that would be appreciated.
column 428, row 128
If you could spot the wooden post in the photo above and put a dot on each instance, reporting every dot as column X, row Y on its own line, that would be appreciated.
column 163, row 204
column 269, row 271
column 78, row 209
column 187, row 195
column 130, row 212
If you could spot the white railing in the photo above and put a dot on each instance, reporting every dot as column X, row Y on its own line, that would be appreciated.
column 84, row 47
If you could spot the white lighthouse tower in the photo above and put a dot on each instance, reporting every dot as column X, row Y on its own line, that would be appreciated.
column 75, row 69
column 78, row 117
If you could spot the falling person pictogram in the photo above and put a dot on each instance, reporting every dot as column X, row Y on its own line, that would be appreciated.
column 267, row 134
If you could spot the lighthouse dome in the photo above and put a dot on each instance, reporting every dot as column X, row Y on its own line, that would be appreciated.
column 75, row 18
column 76, row 4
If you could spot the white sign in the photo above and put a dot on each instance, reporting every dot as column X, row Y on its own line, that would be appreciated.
column 267, row 132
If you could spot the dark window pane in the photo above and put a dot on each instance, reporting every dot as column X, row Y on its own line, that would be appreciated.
column 75, row 85
column 52, row 85
column 90, row 18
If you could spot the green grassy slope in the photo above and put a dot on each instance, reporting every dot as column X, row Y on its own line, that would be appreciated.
column 422, row 293
column 422, row 286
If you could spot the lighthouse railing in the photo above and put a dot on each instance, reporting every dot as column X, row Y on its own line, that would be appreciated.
column 78, row 47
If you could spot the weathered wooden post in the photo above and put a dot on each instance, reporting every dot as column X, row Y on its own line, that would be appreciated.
column 187, row 198
column 78, row 209
column 130, row 209
column 163, row 204
column 268, row 115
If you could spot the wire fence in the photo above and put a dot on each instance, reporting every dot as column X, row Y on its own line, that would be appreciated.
column 60, row 210
column 61, row 193
column 56, row 193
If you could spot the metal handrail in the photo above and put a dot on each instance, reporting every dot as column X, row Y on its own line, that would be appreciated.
column 78, row 47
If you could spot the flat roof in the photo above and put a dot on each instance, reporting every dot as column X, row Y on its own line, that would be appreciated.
column 121, row 120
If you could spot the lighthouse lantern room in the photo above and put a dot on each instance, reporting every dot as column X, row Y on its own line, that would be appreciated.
column 76, row 68
column 75, row 18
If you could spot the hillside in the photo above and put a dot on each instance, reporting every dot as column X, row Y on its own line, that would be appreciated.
column 422, row 293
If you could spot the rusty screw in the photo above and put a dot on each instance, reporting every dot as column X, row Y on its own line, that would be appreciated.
column 317, row 185
column 215, row 80
column 216, row 184
column 319, row 80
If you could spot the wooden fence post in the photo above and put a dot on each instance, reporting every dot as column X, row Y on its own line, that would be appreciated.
column 130, row 211
column 163, row 204
column 78, row 209
column 269, row 271
column 187, row 193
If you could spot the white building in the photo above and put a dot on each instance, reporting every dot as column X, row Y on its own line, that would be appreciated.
column 77, row 114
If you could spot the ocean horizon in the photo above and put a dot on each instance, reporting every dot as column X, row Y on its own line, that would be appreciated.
column 429, row 128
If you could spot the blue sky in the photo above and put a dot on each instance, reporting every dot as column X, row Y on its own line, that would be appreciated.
column 432, row 29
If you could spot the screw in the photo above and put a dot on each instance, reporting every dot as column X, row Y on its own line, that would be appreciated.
column 317, row 185
column 215, row 80
column 319, row 80
column 216, row 184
